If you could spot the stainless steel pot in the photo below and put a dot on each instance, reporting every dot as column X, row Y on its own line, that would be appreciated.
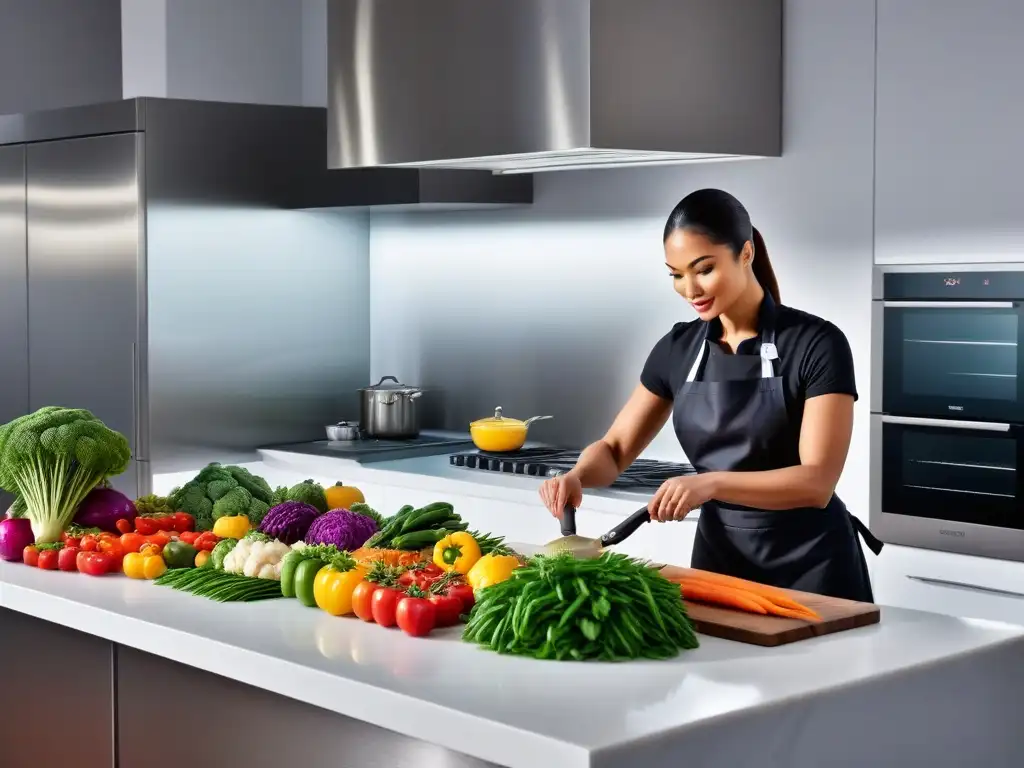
column 390, row 410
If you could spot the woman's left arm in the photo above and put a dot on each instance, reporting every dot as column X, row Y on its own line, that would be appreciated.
column 825, row 433
column 824, row 442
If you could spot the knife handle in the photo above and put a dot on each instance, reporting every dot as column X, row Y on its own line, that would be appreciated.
column 626, row 528
column 569, row 520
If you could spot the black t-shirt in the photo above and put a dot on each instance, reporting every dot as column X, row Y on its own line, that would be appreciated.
column 814, row 358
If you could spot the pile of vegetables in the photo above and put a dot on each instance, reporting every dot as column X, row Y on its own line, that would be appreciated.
column 52, row 459
column 610, row 608
column 223, row 491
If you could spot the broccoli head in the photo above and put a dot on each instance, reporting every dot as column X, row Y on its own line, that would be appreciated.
column 52, row 458
column 223, row 491
column 307, row 492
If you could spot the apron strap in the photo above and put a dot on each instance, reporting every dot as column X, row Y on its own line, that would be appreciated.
column 873, row 542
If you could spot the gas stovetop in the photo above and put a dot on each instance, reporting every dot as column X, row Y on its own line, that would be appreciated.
column 643, row 474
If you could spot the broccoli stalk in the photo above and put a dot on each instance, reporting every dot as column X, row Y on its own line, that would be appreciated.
column 52, row 459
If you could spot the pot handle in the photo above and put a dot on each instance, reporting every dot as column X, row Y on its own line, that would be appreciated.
column 387, row 378
column 414, row 395
column 532, row 419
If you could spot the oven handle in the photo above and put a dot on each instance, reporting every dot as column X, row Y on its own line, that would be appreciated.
column 949, row 304
column 969, row 587
column 917, row 421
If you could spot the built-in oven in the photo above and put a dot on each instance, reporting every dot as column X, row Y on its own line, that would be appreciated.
column 947, row 423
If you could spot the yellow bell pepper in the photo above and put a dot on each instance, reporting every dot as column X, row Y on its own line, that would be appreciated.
column 332, row 589
column 143, row 566
column 456, row 552
column 491, row 569
column 234, row 527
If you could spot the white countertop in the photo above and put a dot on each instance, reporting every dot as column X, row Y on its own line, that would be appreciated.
column 436, row 473
column 511, row 711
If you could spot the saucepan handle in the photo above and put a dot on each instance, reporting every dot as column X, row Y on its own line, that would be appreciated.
column 626, row 528
column 569, row 520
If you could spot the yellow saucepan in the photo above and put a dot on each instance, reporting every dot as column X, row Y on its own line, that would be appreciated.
column 498, row 434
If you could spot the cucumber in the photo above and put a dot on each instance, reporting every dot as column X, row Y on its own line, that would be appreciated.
column 419, row 539
column 424, row 520
column 288, row 567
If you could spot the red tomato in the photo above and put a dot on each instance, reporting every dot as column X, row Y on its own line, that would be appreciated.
column 183, row 522
column 67, row 558
column 189, row 537
column 465, row 593
column 132, row 542
column 383, row 605
column 206, row 542
column 48, row 559
column 94, row 563
column 362, row 599
column 89, row 543
column 145, row 525
column 72, row 541
column 30, row 555
column 113, row 549
column 124, row 525
column 416, row 616
column 447, row 608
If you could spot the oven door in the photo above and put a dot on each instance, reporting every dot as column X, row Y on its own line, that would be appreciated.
column 948, row 485
column 958, row 360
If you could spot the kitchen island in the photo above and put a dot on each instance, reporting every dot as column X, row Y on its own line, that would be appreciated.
column 272, row 683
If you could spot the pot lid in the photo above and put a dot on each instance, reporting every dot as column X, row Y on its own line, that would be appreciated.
column 389, row 384
column 498, row 421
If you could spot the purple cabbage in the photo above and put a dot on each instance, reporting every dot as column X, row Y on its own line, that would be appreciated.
column 103, row 507
column 342, row 528
column 289, row 521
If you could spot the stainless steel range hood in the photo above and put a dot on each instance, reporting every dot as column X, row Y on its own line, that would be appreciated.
column 519, row 86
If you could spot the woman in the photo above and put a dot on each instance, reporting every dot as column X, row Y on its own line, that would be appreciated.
column 761, row 397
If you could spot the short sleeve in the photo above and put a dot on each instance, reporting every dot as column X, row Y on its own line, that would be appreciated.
column 827, row 367
column 656, row 375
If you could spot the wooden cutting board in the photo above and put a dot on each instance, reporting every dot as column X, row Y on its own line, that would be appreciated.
column 836, row 614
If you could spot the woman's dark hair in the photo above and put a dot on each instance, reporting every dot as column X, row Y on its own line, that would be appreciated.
column 723, row 220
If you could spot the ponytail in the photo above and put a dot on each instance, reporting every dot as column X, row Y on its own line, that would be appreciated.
column 762, row 267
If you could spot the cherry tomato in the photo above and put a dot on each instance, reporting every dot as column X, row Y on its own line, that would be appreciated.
column 206, row 542
column 145, row 525
column 48, row 559
column 124, row 525
column 189, row 537
column 30, row 555
column 362, row 599
column 447, row 609
column 383, row 604
column 132, row 542
column 416, row 616
column 67, row 558
column 463, row 592
column 94, row 563
column 183, row 522
column 89, row 543
column 113, row 549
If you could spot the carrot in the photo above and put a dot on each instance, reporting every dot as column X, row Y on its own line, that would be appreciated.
column 724, row 596
column 776, row 595
column 769, row 606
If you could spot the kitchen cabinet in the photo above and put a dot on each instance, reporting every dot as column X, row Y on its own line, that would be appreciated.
column 13, row 292
column 58, row 695
column 83, row 279
column 950, row 102
column 952, row 584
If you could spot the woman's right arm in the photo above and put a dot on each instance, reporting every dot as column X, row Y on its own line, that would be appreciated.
column 602, row 462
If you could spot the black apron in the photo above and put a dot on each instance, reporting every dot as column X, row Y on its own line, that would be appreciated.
column 739, row 423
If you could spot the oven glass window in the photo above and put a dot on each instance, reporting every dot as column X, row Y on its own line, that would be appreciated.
column 951, row 474
column 952, row 362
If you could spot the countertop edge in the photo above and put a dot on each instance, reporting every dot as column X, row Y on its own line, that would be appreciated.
column 376, row 706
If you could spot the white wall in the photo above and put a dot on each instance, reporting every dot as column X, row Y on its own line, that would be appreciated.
column 553, row 309
column 261, row 51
